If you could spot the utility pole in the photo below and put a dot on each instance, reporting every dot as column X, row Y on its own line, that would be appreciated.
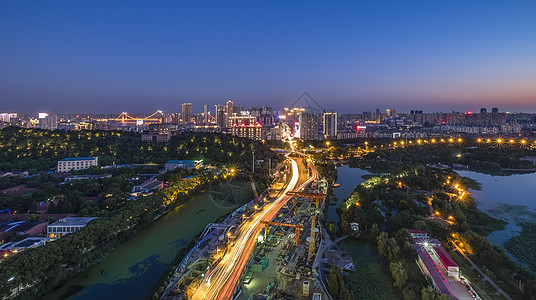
column 253, row 163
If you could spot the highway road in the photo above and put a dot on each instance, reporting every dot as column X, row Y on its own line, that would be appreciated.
column 223, row 279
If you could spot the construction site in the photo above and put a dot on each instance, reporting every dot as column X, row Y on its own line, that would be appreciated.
column 281, row 262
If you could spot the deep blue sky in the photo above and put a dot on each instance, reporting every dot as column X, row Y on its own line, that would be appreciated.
column 139, row 56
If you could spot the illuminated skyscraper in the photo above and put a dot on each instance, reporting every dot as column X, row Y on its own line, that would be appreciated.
column 205, row 113
column 48, row 121
column 309, row 126
column 186, row 113
column 330, row 124
column 220, row 116
column 229, row 111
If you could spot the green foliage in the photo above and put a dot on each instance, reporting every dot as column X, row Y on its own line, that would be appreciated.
column 523, row 246
column 398, row 271
column 486, row 158
column 483, row 224
column 74, row 252
column 38, row 149
column 337, row 285
column 428, row 293
column 33, row 217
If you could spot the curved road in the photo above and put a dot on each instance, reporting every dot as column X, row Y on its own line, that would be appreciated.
column 221, row 282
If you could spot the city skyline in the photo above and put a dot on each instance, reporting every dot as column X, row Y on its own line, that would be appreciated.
column 199, row 108
column 97, row 57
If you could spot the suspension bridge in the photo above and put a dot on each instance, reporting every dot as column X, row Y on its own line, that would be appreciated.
column 156, row 117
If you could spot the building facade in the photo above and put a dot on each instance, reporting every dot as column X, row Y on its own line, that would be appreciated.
column 67, row 225
column 330, row 124
column 185, row 164
column 48, row 121
column 76, row 163
column 309, row 124
column 186, row 113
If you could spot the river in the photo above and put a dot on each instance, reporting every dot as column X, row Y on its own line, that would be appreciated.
column 348, row 178
column 509, row 198
column 135, row 266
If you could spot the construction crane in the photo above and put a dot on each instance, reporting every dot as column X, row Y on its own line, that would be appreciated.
column 317, row 198
column 297, row 228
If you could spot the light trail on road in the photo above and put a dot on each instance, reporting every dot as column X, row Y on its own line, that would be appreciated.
column 221, row 282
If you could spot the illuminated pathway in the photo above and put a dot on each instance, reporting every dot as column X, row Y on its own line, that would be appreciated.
column 222, row 281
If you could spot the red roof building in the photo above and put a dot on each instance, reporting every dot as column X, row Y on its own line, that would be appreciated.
column 432, row 271
column 447, row 263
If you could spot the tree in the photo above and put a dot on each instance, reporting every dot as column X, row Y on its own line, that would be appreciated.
column 399, row 273
column 374, row 232
column 383, row 238
column 331, row 228
column 333, row 282
column 33, row 218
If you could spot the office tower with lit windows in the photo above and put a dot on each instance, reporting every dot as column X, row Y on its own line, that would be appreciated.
column 205, row 113
column 308, row 127
column 186, row 113
column 48, row 121
column 329, row 120
column 220, row 116
column 229, row 112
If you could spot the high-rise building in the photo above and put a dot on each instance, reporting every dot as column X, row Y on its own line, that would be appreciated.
column 483, row 111
column 229, row 108
column 186, row 112
column 245, row 126
column 229, row 112
column 220, row 116
column 48, row 121
column 6, row 117
column 205, row 113
column 308, row 127
column 330, row 124
column 495, row 110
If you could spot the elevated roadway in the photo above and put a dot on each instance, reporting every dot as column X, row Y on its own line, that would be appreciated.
column 222, row 280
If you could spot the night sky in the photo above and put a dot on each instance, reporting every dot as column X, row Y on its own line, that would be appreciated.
column 140, row 56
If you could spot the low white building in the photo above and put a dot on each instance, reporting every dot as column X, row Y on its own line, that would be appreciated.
column 148, row 186
column 76, row 163
column 67, row 225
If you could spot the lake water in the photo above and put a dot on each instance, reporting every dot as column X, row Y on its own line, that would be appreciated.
column 509, row 198
column 135, row 266
column 348, row 178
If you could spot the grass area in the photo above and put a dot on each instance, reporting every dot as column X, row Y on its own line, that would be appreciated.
column 523, row 246
column 483, row 224
column 370, row 280
column 483, row 288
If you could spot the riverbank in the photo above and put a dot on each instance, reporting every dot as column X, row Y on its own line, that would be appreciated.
column 347, row 178
column 61, row 260
column 510, row 199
